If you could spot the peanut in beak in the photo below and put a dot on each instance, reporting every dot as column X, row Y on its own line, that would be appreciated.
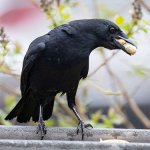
column 128, row 47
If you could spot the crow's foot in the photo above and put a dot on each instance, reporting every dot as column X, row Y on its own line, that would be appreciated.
column 82, row 126
column 41, row 129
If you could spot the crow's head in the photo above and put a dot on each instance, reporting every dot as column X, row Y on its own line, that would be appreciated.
column 106, row 33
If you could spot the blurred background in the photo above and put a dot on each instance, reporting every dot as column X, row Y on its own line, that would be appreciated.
column 116, row 92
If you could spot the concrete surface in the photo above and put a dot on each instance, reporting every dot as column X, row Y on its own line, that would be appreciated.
column 67, row 145
column 25, row 137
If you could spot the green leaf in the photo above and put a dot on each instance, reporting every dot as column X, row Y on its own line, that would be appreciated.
column 119, row 20
column 145, row 30
column 17, row 48
column 2, row 120
column 126, row 27
column 107, row 122
column 66, row 16
column 49, row 123
column 10, row 102
column 109, row 92
column 146, row 22
column 96, row 116
column 61, row 7
column 64, row 122
column 140, row 70
column 111, row 112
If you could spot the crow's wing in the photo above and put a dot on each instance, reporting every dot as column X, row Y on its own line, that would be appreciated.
column 35, row 50
column 85, row 70
column 67, row 29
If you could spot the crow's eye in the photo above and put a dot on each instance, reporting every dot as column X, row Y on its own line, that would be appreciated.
column 112, row 30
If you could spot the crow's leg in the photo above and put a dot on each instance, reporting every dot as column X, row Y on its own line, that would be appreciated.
column 41, row 125
column 81, row 125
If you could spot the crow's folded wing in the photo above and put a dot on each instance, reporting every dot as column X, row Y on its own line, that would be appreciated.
column 35, row 50
column 85, row 70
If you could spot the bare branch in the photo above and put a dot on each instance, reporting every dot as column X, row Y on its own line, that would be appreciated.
column 145, row 5
column 9, row 90
column 17, row 76
column 104, row 63
column 64, row 107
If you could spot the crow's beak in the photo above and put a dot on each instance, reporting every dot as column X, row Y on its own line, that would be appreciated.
column 125, row 44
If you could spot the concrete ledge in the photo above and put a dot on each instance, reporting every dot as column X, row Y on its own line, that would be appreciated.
column 25, row 137
column 67, row 145
column 69, row 134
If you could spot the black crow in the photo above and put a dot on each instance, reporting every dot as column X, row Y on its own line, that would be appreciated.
column 56, row 61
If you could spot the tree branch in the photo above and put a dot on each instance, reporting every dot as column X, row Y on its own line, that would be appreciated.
column 104, row 63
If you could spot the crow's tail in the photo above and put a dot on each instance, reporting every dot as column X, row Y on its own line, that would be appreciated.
column 28, row 107
column 16, row 111
column 24, row 109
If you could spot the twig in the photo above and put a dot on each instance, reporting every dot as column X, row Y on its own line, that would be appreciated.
column 65, row 107
column 139, row 86
column 17, row 76
column 68, row 111
column 80, row 109
column 46, row 6
column 101, row 65
column 102, row 90
column 145, row 5
column 9, row 90
column 118, row 109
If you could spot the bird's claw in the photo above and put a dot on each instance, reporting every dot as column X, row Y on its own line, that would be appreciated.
column 41, row 129
column 82, row 126
column 88, row 126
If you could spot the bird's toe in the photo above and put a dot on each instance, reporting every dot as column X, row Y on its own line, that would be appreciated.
column 88, row 126
column 41, row 129
column 81, row 126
